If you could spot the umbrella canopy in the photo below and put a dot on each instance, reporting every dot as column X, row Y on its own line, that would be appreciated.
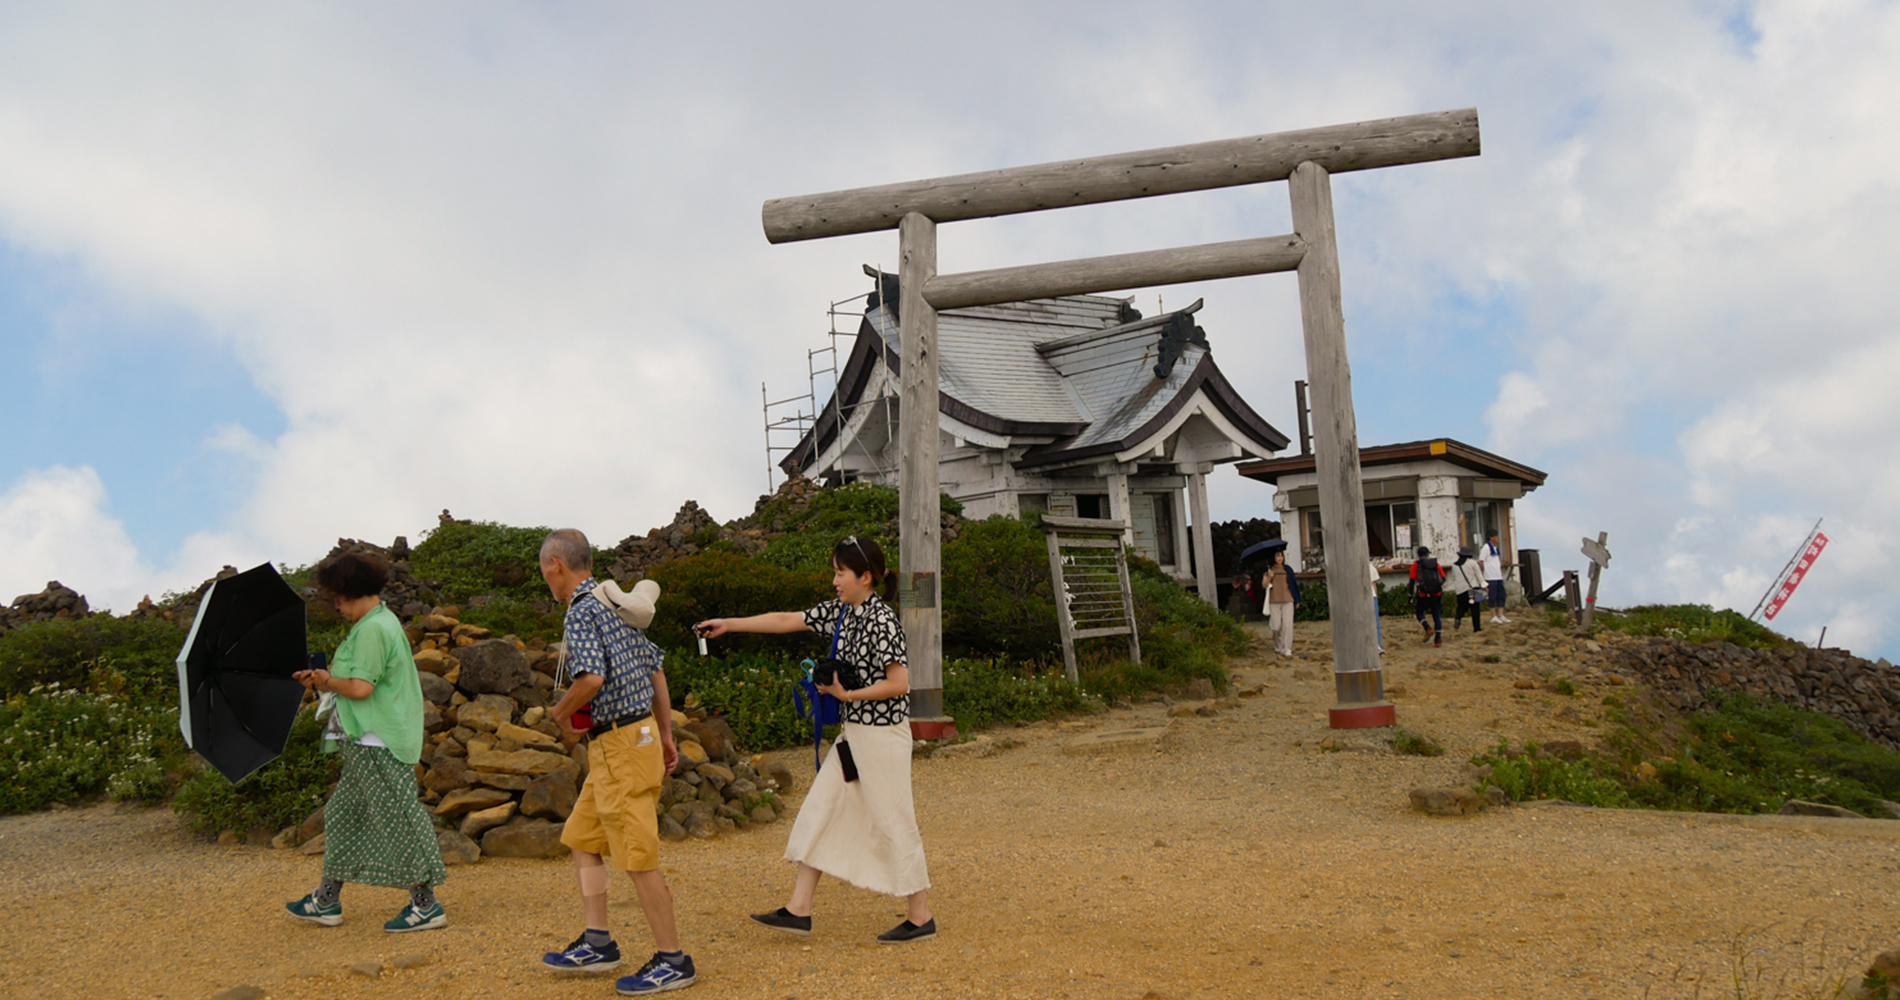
column 236, row 697
column 1263, row 548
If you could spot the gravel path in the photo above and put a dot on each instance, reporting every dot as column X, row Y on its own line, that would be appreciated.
column 1239, row 859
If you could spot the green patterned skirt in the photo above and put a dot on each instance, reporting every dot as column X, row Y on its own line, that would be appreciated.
column 375, row 831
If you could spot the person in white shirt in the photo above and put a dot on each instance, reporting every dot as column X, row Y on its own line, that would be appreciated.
column 1491, row 560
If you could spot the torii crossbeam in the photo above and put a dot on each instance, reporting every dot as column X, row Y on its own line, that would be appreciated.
column 1306, row 159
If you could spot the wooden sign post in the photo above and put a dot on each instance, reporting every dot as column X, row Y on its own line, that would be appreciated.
column 1598, row 553
column 1306, row 159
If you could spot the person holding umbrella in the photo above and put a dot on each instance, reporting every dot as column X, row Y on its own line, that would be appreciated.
column 1283, row 594
column 375, row 830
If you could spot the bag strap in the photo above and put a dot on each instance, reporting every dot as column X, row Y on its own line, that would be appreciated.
column 838, row 629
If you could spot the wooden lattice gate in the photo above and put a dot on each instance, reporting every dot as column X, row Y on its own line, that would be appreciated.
column 1088, row 567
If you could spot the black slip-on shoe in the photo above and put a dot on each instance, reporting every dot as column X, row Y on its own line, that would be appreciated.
column 907, row 932
column 783, row 919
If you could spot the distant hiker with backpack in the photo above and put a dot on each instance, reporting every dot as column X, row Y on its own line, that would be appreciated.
column 1428, row 594
column 1465, row 580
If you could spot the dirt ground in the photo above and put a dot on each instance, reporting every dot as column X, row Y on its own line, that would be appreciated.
column 1238, row 859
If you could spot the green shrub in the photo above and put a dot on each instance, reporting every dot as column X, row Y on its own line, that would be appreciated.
column 982, row 693
column 997, row 597
column 728, row 585
column 1693, row 622
column 469, row 558
column 65, row 744
column 752, row 691
column 1314, row 604
column 864, row 509
column 143, row 650
column 281, row 793
column 1404, row 741
column 1526, row 776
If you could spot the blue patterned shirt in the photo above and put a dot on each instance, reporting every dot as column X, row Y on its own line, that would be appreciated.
column 601, row 642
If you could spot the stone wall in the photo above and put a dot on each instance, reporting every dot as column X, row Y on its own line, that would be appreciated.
column 1863, row 693
column 501, row 776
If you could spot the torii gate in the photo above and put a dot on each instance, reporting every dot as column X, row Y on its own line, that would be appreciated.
column 1306, row 159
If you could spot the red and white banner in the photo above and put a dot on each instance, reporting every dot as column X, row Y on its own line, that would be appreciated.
column 1801, row 566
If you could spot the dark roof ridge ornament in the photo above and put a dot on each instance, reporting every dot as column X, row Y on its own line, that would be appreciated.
column 886, row 290
column 1179, row 332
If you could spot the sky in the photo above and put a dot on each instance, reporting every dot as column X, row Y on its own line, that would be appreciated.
column 272, row 275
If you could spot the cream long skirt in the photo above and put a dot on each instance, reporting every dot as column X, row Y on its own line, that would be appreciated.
column 864, row 831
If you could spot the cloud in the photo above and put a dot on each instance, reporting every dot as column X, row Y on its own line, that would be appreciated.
column 55, row 524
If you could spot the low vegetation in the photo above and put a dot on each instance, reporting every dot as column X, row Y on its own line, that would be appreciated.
column 1742, row 755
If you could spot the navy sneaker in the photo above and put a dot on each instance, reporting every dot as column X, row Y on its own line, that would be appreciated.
column 657, row 976
column 583, row 957
column 309, row 909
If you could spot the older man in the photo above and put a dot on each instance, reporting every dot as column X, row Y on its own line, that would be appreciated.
column 618, row 671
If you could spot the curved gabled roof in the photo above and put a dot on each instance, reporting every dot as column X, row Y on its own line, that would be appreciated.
column 1084, row 369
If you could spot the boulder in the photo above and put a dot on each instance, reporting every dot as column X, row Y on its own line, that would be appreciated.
column 470, row 799
column 436, row 690
column 781, row 776
column 436, row 622
column 448, row 774
column 469, row 635
column 1796, row 807
column 691, row 756
column 551, row 796
column 486, row 713
column 713, row 734
column 311, row 826
column 483, row 820
column 312, row 846
column 718, row 775
column 670, row 829
column 433, row 661
column 763, row 814
column 741, row 790
column 525, row 838
column 457, row 849
column 496, row 779
column 1446, row 801
column 535, row 762
column 491, row 666
column 524, row 735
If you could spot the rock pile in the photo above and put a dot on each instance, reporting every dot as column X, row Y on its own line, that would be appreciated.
column 1865, row 694
column 56, row 601
column 501, row 777
column 636, row 554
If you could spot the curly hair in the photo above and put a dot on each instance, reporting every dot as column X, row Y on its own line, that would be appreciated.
column 352, row 575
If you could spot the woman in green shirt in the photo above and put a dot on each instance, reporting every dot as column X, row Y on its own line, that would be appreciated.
column 375, row 830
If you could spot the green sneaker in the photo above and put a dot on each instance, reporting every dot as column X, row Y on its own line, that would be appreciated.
column 412, row 919
column 309, row 909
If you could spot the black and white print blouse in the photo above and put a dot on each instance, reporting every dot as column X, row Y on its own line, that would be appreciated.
column 872, row 638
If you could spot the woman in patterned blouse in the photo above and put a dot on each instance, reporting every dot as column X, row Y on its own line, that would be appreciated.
column 862, row 831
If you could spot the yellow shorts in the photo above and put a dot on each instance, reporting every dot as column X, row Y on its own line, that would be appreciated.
column 616, row 815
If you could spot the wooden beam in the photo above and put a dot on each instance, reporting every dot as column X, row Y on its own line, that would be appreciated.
column 1335, row 431
column 1199, row 166
column 919, row 513
column 1204, row 583
column 1206, row 262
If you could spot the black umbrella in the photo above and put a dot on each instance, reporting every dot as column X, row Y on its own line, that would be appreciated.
column 1267, row 546
column 236, row 698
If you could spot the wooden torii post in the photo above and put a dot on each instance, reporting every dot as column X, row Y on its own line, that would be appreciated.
column 1306, row 159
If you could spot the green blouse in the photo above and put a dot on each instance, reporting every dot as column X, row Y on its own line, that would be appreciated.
column 377, row 651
